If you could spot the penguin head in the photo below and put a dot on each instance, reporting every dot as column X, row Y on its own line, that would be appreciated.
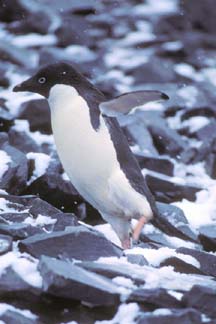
column 49, row 76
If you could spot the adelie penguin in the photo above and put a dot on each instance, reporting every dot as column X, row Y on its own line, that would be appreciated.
column 92, row 148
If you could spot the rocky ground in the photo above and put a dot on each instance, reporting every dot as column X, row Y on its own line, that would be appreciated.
column 59, row 262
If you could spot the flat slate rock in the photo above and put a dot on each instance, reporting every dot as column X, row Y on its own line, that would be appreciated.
column 13, row 317
column 185, row 316
column 152, row 298
column 64, row 279
column 207, row 261
column 76, row 242
column 207, row 236
column 5, row 243
column 156, row 163
column 166, row 190
column 181, row 266
column 201, row 298
column 19, row 230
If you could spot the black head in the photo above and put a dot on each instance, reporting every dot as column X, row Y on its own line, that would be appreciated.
column 47, row 77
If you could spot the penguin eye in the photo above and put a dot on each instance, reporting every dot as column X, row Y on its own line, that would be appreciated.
column 42, row 80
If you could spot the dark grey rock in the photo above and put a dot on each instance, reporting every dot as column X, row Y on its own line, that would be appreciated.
column 30, row 24
column 207, row 132
column 177, row 224
column 202, row 299
column 200, row 14
column 168, row 191
column 207, row 236
column 38, row 206
column 32, row 111
column 14, row 217
column 5, row 243
column 185, row 316
column 12, row 10
column 64, row 220
column 137, row 259
column 152, row 298
column 6, row 119
column 180, row 266
column 22, row 141
column 73, row 30
column 14, row 180
column 112, row 270
column 19, row 230
column 76, row 242
column 16, row 55
column 64, row 279
column 13, row 317
column 156, row 163
column 56, row 191
column 207, row 261
column 154, row 71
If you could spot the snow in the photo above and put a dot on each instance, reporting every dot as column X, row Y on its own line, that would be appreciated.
column 41, row 161
column 195, row 123
column 41, row 220
column 126, row 314
column 25, row 268
column 156, row 257
column 4, row 160
column 186, row 70
column 108, row 232
column 151, row 7
column 164, row 277
column 6, row 307
column 38, row 137
column 33, row 39
column 202, row 211
column 5, row 207
column 189, row 94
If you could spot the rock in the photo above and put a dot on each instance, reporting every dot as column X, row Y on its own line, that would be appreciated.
column 54, row 189
column 207, row 261
column 185, row 316
column 16, row 55
column 152, row 298
column 177, row 224
column 5, row 243
column 166, row 190
column 201, row 298
column 14, row 217
column 156, row 163
column 113, row 270
column 154, row 71
column 22, row 141
column 13, row 317
column 137, row 259
column 207, row 236
column 12, row 10
column 200, row 14
column 19, row 230
column 11, row 283
column 64, row 279
column 76, row 242
column 73, row 30
column 32, row 111
column 38, row 206
column 65, row 220
column 14, row 180
column 30, row 24
column 206, row 132
column 6, row 119
column 180, row 266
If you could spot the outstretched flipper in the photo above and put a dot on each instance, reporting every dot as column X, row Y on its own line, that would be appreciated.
column 126, row 102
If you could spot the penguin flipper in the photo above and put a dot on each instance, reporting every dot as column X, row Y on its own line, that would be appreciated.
column 126, row 102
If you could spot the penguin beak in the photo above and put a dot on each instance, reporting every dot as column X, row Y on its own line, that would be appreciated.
column 24, row 86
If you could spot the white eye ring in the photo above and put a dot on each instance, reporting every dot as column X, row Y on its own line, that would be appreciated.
column 42, row 80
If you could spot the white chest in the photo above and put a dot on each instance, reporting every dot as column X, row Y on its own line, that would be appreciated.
column 88, row 156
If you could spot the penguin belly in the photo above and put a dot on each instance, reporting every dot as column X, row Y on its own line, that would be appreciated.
column 89, row 158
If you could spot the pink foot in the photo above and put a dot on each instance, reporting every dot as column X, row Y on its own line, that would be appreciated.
column 138, row 228
column 126, row 244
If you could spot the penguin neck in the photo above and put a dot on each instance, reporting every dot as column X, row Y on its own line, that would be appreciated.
column 60, row 95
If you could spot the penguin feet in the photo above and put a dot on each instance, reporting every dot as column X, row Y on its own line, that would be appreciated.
column 138, row 228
